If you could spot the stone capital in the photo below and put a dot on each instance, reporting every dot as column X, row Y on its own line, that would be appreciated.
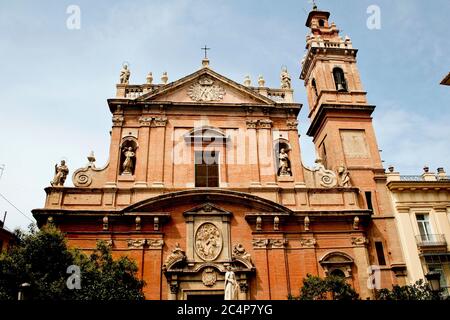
column 251, row 124
column 117, row 120
column 155, row 244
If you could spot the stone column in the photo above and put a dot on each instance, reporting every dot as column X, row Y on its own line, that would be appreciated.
column 142, row 151
column 265, row 153
column 156, row 157
column 114, row 150
column 295, row 154
column 362, row 263
column 253, row 162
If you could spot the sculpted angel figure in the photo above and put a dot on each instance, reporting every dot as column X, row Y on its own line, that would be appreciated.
column 128, row 165
column 61, row 173
column 231, row 285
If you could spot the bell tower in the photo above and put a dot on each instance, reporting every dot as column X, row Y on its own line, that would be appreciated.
column 343, row 134
column 341, row 123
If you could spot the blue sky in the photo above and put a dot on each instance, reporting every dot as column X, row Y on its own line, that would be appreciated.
column 55, row 81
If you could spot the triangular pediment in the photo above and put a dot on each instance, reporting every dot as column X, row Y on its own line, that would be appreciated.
column 206, row 86
column 206, row 209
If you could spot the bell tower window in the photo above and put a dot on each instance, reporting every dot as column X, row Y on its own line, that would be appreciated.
column 314, row 86
column 339, row 80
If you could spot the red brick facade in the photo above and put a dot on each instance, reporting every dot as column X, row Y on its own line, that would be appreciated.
column 271, row 228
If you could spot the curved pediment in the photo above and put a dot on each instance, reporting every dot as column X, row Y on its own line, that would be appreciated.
column 205, row 195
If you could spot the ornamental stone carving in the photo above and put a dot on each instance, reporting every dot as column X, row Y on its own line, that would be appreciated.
column 209, row 277
column 155, row 243
column 260, row 243
column 292, row 124
column 308, row 243
column 136, row 243
column 205, row 90
column 278, row 243
column 323, row 177
column 176, row 255
column 145, row 121
column 344, row 176
column 359, row 241
column 251, row 124
column 240, row 252
column 208, row 241
column 117, row 120
column 160, row 121
column 265, row 124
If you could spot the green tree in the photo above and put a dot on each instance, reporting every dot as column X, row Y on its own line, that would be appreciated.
column 417, row 291
column 41, row 258
column 330, row 287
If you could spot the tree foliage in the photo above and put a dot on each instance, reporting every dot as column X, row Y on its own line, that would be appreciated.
column 417, row 291
column 328, row 288
column 41, row 259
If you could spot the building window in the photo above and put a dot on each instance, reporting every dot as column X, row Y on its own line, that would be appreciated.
column 321, row 23
column 425, row 232
column 368, row 195
column 339, row 79
column 314, row 86
column 206, row 169
column 380, row 253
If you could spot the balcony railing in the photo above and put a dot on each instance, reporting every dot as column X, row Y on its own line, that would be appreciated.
column 431, row 240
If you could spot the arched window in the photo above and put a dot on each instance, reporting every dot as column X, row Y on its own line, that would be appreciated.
column 313, row 84
column 321, row 23
column 339, row 79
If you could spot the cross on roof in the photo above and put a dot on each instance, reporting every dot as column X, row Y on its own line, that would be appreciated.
column 205, row 48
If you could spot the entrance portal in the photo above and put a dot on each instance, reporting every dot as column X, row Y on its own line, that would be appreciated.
column 206, row 297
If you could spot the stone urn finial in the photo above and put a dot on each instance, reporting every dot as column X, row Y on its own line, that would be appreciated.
column 247, row 81
column 149, row 78
column 261, row 81
column 164, row 77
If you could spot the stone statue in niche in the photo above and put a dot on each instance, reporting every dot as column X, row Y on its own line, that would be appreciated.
column 124, row 74
column 231, row 285
column 128, row 164
column 344, row 176
column 284, row 167
column 285, row 79
column 61, row 173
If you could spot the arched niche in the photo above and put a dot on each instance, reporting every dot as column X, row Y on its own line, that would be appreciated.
column 278, row 145
column 337, row 263
column 125, row 145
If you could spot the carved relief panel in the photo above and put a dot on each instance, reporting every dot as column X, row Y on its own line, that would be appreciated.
column 207, row 234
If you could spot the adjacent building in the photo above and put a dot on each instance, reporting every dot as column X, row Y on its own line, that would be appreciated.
column 205, row 176
column 422, row 212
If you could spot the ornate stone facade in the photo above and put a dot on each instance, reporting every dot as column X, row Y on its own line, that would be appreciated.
column 206, row 186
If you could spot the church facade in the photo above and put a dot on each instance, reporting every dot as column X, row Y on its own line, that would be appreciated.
column 205, row 176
